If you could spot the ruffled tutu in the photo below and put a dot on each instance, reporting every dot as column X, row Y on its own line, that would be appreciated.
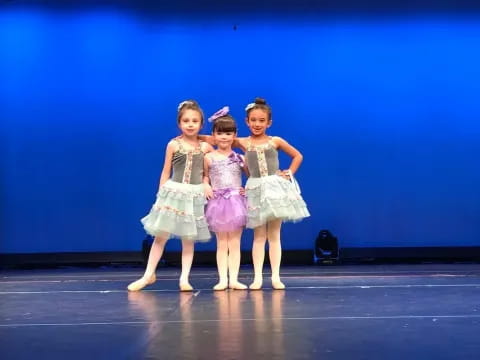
column 273, row 197
column 227, row 211
column 178, row 212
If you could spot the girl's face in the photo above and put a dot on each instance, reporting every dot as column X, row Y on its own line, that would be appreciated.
column 224, row 139
column 258, row 122
column 190, row 123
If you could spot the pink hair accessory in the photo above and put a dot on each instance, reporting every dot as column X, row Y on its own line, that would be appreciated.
column 222, row 112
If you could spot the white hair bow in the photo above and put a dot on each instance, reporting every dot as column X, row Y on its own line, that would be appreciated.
column 183, row 103
column 249, row 106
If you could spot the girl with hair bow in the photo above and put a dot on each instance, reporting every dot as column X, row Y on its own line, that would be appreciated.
column 273, row 195
column 179, row 207
column 226, row 210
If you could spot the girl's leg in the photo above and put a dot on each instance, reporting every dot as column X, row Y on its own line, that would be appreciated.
column 187, row 259
column 153, row 258
column 258, row 255
column 222, row 260
column 275, row 252
column 234, row 259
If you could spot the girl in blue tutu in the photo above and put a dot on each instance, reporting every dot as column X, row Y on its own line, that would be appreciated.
column 179, row 208
column 226, row 210
column 272, row 194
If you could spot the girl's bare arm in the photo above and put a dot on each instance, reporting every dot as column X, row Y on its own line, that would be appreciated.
column 296, row 155
column 167, row 165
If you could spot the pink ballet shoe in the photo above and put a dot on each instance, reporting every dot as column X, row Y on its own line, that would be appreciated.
column 141, row 283
column 256, row 285
column 185, row 287
column 277, row 284
column 220, row 286
column 236, row 285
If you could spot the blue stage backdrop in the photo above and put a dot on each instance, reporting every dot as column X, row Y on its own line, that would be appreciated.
column 384, row 108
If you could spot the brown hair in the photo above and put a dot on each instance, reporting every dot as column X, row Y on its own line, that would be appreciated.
column 261, row 104
column 224, row 123
column 189, row 105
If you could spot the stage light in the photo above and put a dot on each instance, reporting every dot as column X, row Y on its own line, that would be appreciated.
column 326, row 248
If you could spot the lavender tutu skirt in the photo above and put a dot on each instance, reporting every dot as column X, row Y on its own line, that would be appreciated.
column 227, row 211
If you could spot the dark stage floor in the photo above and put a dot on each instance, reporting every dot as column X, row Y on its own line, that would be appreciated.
column 342, row 312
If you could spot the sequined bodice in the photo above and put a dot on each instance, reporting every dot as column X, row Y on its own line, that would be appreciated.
column 226, row 173
column 262, row 160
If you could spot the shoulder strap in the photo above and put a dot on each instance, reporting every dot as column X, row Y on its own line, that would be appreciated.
column 249, row 142
column 201, row 146
column 179, row 143
column 271, row 142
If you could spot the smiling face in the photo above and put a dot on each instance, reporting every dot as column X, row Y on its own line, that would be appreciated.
column 258, row 121
column 224, row 132
column 224, row 139
column 190, row 122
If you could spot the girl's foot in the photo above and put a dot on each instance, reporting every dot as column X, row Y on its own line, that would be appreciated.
column 185, row 286
column 256, row 285
column 277, row 284
column 220, row 286
column 141, row 283
column 236, row 285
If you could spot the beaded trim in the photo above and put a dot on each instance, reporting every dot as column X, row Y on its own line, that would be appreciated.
column 176, row 211
column 262, row 162
column 188, row 168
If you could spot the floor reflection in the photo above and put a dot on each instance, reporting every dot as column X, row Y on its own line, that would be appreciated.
column 230, row 325
column 268, row 322
column 225, row 324
column 169, row 327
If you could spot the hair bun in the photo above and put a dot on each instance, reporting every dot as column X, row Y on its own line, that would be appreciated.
column 260, row 101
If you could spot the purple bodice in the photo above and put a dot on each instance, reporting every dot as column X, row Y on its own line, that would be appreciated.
column 226, row 173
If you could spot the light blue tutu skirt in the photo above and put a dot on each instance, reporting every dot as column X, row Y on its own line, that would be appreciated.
column 178, row 212
column 273, row 197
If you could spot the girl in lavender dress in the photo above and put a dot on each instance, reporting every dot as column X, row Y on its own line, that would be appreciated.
column 226, row 211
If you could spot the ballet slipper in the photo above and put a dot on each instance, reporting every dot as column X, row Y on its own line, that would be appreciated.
column 141, row 283
column 256, row 285
column 185, row 286
column 277, row 284
column 220, row 286
column 236, row 285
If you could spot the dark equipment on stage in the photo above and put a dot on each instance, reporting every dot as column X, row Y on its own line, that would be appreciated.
column 326, row 248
